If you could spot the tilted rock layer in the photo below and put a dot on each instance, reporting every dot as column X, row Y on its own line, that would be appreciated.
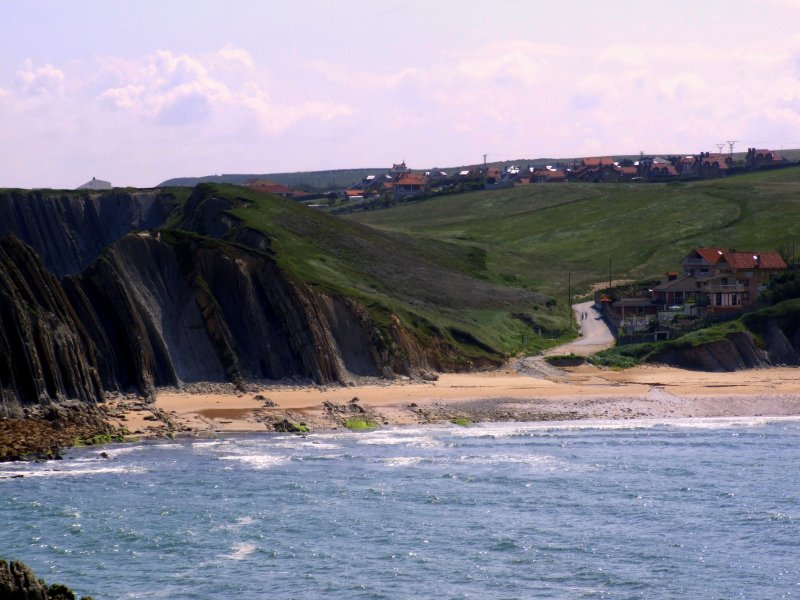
column 152, row 311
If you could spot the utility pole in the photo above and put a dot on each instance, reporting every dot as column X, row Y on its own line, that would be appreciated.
column 569, row 298
column 731, row 143
column 485, row 173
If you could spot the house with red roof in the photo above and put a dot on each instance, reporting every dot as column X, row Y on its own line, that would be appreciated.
column 719, row 280
column 657, row 169
column 758, row 158
column 270, row 187
column 712, row 166
column 410, row 184
column 547, row 175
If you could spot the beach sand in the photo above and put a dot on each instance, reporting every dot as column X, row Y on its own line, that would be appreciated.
column 526, row 390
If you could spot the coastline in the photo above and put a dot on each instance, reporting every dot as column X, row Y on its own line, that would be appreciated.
column 527, row 390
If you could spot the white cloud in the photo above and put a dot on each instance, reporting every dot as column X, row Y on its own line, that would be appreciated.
column 232, row 54
column 178, row 89
column 43, row 82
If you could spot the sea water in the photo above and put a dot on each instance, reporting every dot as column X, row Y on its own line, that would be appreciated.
column 626, row 509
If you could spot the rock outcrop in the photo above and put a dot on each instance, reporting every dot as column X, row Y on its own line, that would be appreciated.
column 737, row 351
column 17, row 582
column 775, row 340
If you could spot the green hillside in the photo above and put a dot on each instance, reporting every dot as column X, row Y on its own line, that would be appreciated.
column 440, row 290
column 533, row 236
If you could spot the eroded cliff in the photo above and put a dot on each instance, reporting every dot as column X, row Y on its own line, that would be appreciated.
column 772, row 338
column 167, row 308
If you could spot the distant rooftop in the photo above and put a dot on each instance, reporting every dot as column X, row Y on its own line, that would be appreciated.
column 96, row 184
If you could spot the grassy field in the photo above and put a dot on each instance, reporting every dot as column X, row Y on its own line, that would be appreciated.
column 439, row 289
column 533, row 236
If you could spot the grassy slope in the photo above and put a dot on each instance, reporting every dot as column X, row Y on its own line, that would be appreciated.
column 434, row 286
column 534, row 235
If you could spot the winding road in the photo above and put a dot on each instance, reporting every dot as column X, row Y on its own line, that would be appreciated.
column 595, row 334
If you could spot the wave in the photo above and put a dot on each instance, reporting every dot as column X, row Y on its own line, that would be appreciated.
column 257, row 461
column 69, row 472
column 395, row 437
column 240, row 551
column 402, row 461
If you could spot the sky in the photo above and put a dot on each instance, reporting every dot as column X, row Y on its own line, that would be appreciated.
column 136, row 92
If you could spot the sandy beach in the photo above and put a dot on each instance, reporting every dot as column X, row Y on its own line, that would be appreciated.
column 526, row 390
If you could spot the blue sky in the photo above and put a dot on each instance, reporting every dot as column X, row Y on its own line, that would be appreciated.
column 138, row 92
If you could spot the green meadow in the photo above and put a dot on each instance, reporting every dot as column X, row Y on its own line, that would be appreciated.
column 535, row 236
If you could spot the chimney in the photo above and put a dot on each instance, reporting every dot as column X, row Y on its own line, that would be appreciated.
column 672, row 276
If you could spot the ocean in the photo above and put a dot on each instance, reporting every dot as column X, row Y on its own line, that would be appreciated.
column 695, row 508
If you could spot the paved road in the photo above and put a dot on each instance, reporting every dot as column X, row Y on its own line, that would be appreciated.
column 595, row 334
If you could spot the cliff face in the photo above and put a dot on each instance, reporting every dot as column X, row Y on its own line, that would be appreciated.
column 157, row 310
column 164, row 313
column 69, row 231
column 45, row 353
column 781, row 346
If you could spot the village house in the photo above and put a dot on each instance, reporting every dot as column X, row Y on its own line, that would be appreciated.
column 713, row 282
column 270, row 187
column 718, row 280
column 410, row 184
column 759, row 158
column 601, row 170
column 96, row 184
column 657, row 169
column 398, row 170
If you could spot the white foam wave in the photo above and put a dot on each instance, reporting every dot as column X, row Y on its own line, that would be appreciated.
column 257, row 461
column 402, row 461
column 114, row 452
column 209, row 444
column 399, row 439
column 305, row 444
column 240, row 551
column 71, row 472
column 504, row 430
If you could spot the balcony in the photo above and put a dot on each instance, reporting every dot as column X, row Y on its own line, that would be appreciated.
column 715, row 288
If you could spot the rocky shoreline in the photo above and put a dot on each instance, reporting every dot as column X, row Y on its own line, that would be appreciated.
column 528, row 390
column 45, row 431
column 18, row 582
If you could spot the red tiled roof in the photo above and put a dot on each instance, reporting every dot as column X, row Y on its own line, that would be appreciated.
column 595, row 161
column 764, row 153
column 754, row 260
column 711, row 255
column 271, row 188
column 411, row 179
